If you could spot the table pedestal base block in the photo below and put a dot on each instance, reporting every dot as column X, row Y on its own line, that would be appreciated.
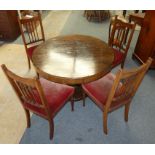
column 78, row 94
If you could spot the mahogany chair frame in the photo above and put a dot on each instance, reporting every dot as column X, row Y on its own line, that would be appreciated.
column 130, row 81
column 30, row 24
column 119, row 36
column 24, row 89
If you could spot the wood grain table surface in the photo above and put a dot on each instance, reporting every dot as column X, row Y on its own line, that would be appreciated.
column 73, row 59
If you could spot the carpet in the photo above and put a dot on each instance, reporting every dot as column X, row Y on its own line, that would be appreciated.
column 84, row 125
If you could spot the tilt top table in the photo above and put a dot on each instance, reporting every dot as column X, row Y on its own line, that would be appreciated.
column 73, row 59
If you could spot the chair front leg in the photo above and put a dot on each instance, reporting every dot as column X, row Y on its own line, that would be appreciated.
column 51, row 128
column 28, row 118
column 105, row 120
column 126, row 112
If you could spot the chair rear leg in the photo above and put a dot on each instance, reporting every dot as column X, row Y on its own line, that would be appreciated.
column 28, row 118
column 72, row 103
column 122, row 64
column 126, row 112
column 29, row 63
column 51, row 128
column 83, row 97
column 37, row 75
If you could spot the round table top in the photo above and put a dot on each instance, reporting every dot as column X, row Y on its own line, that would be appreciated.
column 73, row 59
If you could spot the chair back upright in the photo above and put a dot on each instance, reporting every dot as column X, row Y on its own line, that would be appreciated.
column 29, row 92
column 31, row 29
column 120, row 34
column 126, row 84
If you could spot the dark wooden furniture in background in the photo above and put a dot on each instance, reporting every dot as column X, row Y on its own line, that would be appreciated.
column 145, row 46
column 40, row 96
column 73, row 60
column 111, row 92
column 96, row 15
column 9, row 28
column 137, row 18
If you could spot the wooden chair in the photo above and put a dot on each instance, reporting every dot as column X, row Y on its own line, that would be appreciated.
column 32, row 33
column 120, row 36
column 112, row 92
column 40, row 96
column 96, row 15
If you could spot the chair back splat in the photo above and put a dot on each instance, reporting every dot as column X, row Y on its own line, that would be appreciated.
column 126, row 85
column 28, row 91
column 31, row 29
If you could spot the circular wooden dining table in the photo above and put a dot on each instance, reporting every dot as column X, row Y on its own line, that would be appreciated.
column 73, row 59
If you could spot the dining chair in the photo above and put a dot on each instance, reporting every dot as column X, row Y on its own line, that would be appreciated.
column 111, row 92
column 40, row 96
column 32, row 33
column 120, row 36
column 96, row 15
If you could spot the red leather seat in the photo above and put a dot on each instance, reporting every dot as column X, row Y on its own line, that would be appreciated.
column 100, row 89
column 118, row 57
column 30, row 50
column 56, row 96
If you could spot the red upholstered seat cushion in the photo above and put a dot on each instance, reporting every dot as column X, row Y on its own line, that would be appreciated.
column 118, row 57
column 56, row 96
column 30, row 50
column 100, row 89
